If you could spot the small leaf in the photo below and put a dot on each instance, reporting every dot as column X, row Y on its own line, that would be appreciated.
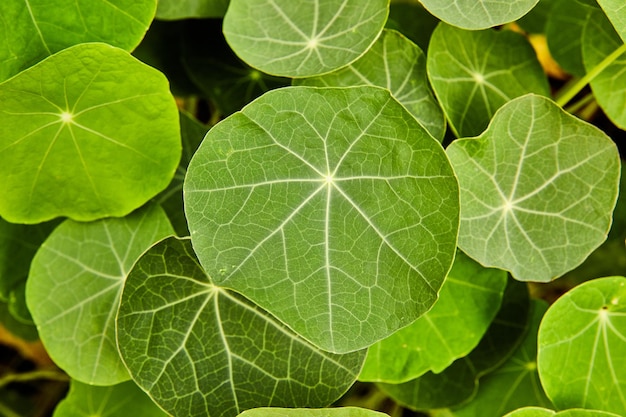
column 185, row 9
column 544, row 412
column 89, row 132
column 537, row 190
column 326, row 412
column 468, row 301
column 303, row 39
column 478, row 14
column 474, row 73
column 122, row 400
column 331, row 208
column 582, row 347
column 201, row 350
column 397, row 64
column 74, row 286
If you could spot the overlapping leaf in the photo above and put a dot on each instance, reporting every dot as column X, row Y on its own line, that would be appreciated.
column 582, row 347
column 89, row 132
column 616, row 12
column 537, row 190
column 478, row 14
column 303, row 38
column 201, row 350
column 397, row 64
column 74, row 288
column 185, row 9
column 332, row 208
column 544, row 412
column 327, row 412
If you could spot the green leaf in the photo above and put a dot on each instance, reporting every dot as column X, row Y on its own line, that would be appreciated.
column 582, row 347
column 600, row 41
column 535, row 20
column 544, row 412
column 303, row 39
column 185, row 9
column 478, row 14
column 397, row 64
column 413, row 21
column 199, row 349
column 516, row 383
column 616, row 12
column 537, row 190
column 122, row 400
column 458, row 383
column 332, row 208
column 474, row 73
column 34, row 29
column 468, row 301
column 326, row 412
column 89, row 132
column 18, row 328
column 74, row 287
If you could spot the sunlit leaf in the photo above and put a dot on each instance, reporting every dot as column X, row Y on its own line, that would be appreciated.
column 544, row 412
column 478, row 14
column 201, row 350
column 185, row 9
column 326, row 412
column 332, row 208
column 303, row 38
column 616, row 12
column 89, row 132
column 74, row 288
column 537, row 190
column 582, row 347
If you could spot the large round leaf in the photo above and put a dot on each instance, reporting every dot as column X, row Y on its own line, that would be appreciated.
column 87, row 133
column 74, row 288
column 537, row 190
column 544, row 412
column 478, row 14
column 582, row 347
column 332, row 208
column 303, row 38
column 201, row 350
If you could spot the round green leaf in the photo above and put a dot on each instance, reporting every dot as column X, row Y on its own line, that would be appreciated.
column 582, row 347
column 303, row 38
column 478, row 14
column 122, row 400
column 87, row 133
column 397, row 64
column 326, row 412
column 474, row 73
column 34, row 29
column 185, row 9
column 331, row 208
column 201, row 350
column 544, row 412
column 468, row 301
column 74, row 287
column 537, row 190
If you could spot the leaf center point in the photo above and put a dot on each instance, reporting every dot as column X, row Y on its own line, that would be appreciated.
column 508, row 206
column 66, row 117
column 329, row 179
column 479, row 78
column 312, row 43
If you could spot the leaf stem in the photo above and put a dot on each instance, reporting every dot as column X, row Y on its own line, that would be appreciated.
column 571, row 92
column 580, row 104
column 34, row 375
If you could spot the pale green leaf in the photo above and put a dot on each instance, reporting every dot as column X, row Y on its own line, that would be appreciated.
column 544, row 412
column 89, row 132
column 582, row 347
column 537, row 190
column 326, row 412
column 474, row 73
column 468, row 301
column 121, row 400
column 303, row 38
column 332, row 208
column 185, row 9
column 31, row 30
column 74, row 287
column 397, row 64
column 609, row 87
column 478, row 14
column 615, row 10
column 201, row 350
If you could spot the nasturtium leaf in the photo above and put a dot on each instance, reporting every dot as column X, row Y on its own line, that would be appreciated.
column 121, row 400
column 303, row 38
column 474, row 73
column 537, row 190
column 534, row 22
column 544, row 412
column 609, row 87
column 616, row 12
column 74, row 287
column 516, row 383
column 332, row 208
column 31, row 30
column 89, row 132
column 468, row 301
column 326, row 412
column 413, row 21
column 458, row 383
column 397, row 64
column 185, row 9
column 478, row 14
column 582, row 347
column 201, row 350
